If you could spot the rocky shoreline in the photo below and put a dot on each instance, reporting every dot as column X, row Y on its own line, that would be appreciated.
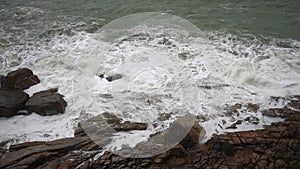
column 275, row 146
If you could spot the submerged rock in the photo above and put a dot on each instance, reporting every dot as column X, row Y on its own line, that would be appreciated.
column 20, row 79
column 46, row 103
column 11, row 101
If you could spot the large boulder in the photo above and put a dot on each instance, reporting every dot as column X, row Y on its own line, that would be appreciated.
column 11, row 101
column 20, row 79
column 185, row 130
column 46, row 103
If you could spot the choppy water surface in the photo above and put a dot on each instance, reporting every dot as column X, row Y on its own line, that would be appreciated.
column 246, row 52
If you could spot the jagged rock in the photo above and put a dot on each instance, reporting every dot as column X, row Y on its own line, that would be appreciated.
column 11, row 101
column 46, row 103
column 20, row 79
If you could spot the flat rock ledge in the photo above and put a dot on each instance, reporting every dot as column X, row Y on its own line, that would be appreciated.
column 275, row 146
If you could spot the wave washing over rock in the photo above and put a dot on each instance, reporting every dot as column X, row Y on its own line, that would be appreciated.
column 238, row 68
column 151, row 76
column 276, row 146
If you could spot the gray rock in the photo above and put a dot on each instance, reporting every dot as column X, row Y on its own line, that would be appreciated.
column 11, row 101
column 46, row 103
column 2, row 79
column 114, row 77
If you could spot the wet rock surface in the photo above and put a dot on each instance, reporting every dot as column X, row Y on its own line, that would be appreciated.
column 118, row 125
column 11, row 101
column 46, row 103
column 2, row 79
column 127, row 126
column 111, row 78
column 275, row 146
column 20, row 79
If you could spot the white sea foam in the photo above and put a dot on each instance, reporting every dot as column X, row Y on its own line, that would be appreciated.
column 226, row 69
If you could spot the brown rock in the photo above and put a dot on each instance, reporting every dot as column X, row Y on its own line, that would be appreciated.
column 294, row 104
column 192, row 138
column 177, row 151
column 280, row 163
column 252, row 107
column 263, row 164
column 185, row 131
column 265, row 148
column 157, row 160
column 278, row 112
column 232, row 109
column 116, row 123
column 111, row 118
column 46, row 103
column 179, row 161
column 107, row 162
column 127, row 126
column 61, row 145
column 20, row 79
column 11, row 101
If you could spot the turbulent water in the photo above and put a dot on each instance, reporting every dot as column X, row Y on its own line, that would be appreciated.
column 245, row 51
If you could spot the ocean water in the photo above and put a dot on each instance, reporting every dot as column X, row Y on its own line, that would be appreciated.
column 240, row 52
